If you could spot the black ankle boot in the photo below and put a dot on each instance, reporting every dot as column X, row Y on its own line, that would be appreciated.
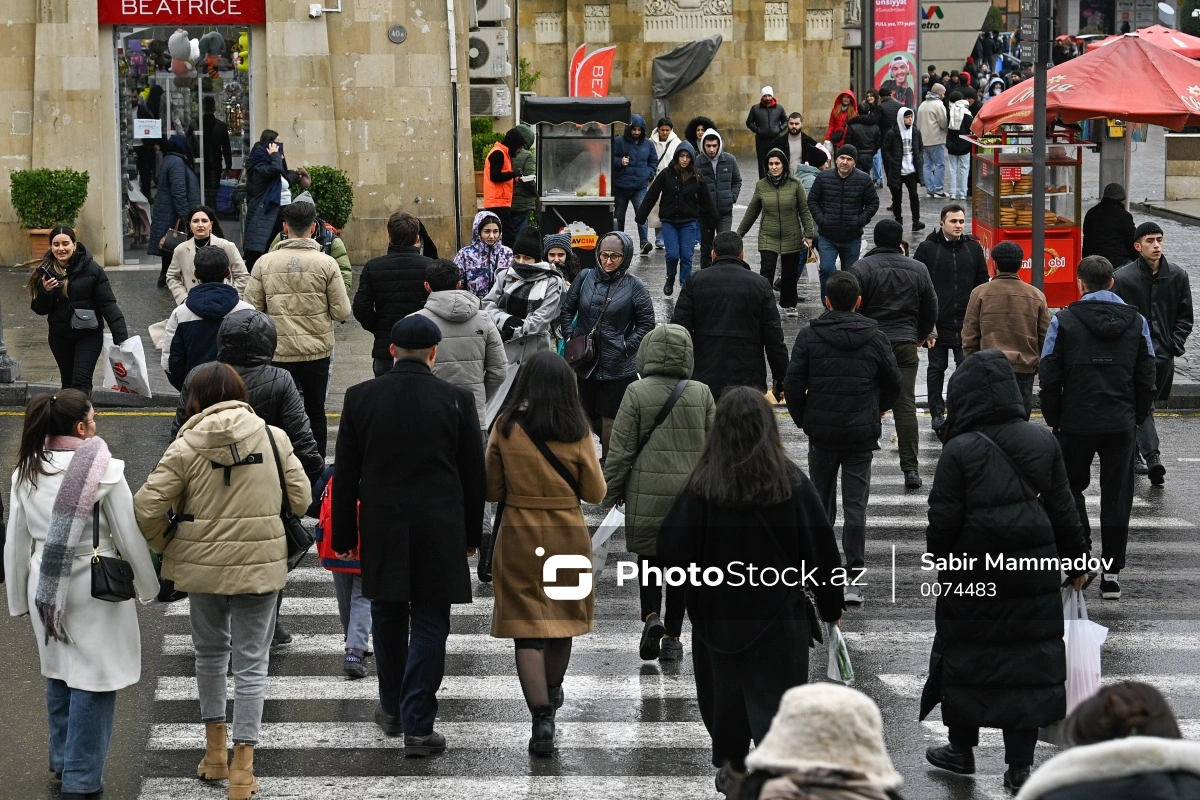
column 541, row 743
column 556, row 696
column 954, row 759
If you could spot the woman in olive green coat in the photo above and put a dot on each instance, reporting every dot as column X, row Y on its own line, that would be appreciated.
column 786, row 232
column 650, row 482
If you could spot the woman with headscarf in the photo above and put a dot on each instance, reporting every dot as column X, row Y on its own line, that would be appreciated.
column 485, row 256
column 178, row 191
column 787, row 228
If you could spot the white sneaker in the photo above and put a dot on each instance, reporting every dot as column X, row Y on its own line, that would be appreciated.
column 854, row 596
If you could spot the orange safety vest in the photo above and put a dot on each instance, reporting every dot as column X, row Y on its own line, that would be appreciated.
column 497, row 195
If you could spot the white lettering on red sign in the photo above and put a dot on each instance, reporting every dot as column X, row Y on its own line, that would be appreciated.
column 188, row 12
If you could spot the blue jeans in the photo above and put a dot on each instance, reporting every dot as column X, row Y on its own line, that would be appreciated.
column 623, row 199
column 935, row 167
column 81, row 725
column 353, row 608
column 830, row 251
column 410, row 672
column 680, row 239
column 959, row 170
column 877, row 167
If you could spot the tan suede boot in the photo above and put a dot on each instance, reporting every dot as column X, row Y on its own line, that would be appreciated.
column 242, row 783
column 215, row 764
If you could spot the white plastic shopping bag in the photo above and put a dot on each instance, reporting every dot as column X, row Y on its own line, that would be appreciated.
column 1084, row 639
column 840, row 669
column 125, row 366
column 614, row 521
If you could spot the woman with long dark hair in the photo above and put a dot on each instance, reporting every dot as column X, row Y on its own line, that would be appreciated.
column 540, row 463
column 66, row 482
column 178, row 191
column 205, row 231
column 747, row 502
column 264, row 194
column 685, row 199
column 72, row 291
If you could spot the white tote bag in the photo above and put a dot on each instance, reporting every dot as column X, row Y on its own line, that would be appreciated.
column 1084, row 639
column 125, row 366
column 611, row 524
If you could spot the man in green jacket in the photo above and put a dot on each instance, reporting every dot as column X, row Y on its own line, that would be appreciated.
column 524, row 188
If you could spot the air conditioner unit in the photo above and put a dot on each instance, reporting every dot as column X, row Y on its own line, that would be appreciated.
column 492, row 10
column 491, row 101
column 488, row 53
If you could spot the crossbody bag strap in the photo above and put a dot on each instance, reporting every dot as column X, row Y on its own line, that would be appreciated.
column 287, row 504
column 1020, row 476
column 607, row 300
column 559, row 467
column 661, row 417
column 96, row 529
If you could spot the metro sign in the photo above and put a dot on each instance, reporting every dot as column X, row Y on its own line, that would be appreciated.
column 928, row 13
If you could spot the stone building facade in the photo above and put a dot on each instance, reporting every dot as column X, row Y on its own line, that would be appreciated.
column 336, row 87
column 795, row 47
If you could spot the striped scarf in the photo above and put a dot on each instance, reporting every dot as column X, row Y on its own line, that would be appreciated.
column 71, row 513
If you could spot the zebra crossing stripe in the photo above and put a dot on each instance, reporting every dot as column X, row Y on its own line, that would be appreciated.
column 1175, row 685
column 991, row 737
column 456, row 643
column 485, row 735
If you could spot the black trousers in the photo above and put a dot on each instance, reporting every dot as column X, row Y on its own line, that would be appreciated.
column 789, row 274
column 939, row 360
column 1164, row 377
column 651, row 596
column 739, row 694
column 708, row 233
column 76, row 357
column 1019, row 743
column 761, row 148
column 914, row 202
column 508, row 233
column 1116, row 486
column 1025, row 384
column 410, row 665
column 312, row 379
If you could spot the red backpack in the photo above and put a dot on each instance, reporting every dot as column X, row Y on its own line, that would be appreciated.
column 325, row 541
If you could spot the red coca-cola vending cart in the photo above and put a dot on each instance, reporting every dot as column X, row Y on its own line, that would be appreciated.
column 1002, row 207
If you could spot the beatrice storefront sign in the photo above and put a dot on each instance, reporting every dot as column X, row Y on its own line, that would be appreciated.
column 182, row 12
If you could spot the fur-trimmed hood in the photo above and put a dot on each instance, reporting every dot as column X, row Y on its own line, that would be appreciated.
column 1106, row 761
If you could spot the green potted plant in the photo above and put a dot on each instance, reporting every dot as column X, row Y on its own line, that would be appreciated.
column 482, row 139
column 333, row 193
column 45, row 198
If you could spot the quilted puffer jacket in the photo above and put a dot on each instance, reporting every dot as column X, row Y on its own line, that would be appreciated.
column 651, row 483
column 245, row 341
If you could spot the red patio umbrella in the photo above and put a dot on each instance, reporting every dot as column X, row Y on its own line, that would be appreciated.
column 1167, row 38
column 1129, row 79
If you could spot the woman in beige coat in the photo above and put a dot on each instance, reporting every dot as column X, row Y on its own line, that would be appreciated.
column 181, row 275
column 542, row 528
column 211, row 507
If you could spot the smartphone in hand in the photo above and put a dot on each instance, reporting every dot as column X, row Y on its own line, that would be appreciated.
column 47, row 273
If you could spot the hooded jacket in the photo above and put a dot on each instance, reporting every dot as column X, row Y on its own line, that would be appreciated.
column 471, row 353
column 1007, row 314
column 732, row 317
column 897, row 293
column 786, row 218
column 901, row 149
column 1098, row 366
column 87, row 286
column 246, row 341
column 839, row 120
column 1142, row 767
column 841, row 378
column 1108, row 231
column 956, row 268
column 683, row 200
column 651, row 481
column 959, row 126
column 664, row 150
column 302, row 289
column 524, row 304
column 766, row 122
column 932, row 120
column 862, row 131
column 391, row 287
column 479, row 262
column 721, row 174
column 263, row 174
column 643, row 158
column 998, row 659
column 191, row 335
column 220, row 474
column 1164, row 299
column 626, row 321
column 178, row 192
column 842, row 207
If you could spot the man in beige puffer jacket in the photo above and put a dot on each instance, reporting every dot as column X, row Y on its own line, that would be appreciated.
column 302, row 289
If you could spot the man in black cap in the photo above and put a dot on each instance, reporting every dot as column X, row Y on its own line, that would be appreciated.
column 1163, row 295
column 898, row 294
column 1108, row 228
column 842, row 202
column 409, row 485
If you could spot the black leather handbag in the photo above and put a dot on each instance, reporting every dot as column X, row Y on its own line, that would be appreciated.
column 299, row 539
column 112, row 578
column 84, row 319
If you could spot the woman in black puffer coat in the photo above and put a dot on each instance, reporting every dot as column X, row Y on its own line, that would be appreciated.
column 998, row 658
column 178, row 193
column 863, row 132
column 79, row 284
column 628, row 317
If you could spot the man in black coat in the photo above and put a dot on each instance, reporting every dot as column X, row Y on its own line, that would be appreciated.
column 766, row 120
column 1163, row 295
column 409, row 484
column 898, row 294
column 392, row 286
column 889, row 106
column 842, row 202
column 732, row 317
column 1097, row 386
column 956, row 265
column 1108, row 228
column 841, row 379
column 799, row 146
column 1001, row 491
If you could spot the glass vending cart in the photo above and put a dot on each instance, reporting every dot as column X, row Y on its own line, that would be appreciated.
column 1002, row 203
column 574, row 166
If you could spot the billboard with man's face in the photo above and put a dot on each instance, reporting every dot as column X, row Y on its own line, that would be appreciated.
column 895, row 43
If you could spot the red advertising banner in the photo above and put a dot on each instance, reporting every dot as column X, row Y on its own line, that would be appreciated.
column 895, row 43
column 182, row 12
column 595, row 73
column 573, row 70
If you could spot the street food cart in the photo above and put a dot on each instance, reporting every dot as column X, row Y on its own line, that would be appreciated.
column 1002, row 202
column 574, row 147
